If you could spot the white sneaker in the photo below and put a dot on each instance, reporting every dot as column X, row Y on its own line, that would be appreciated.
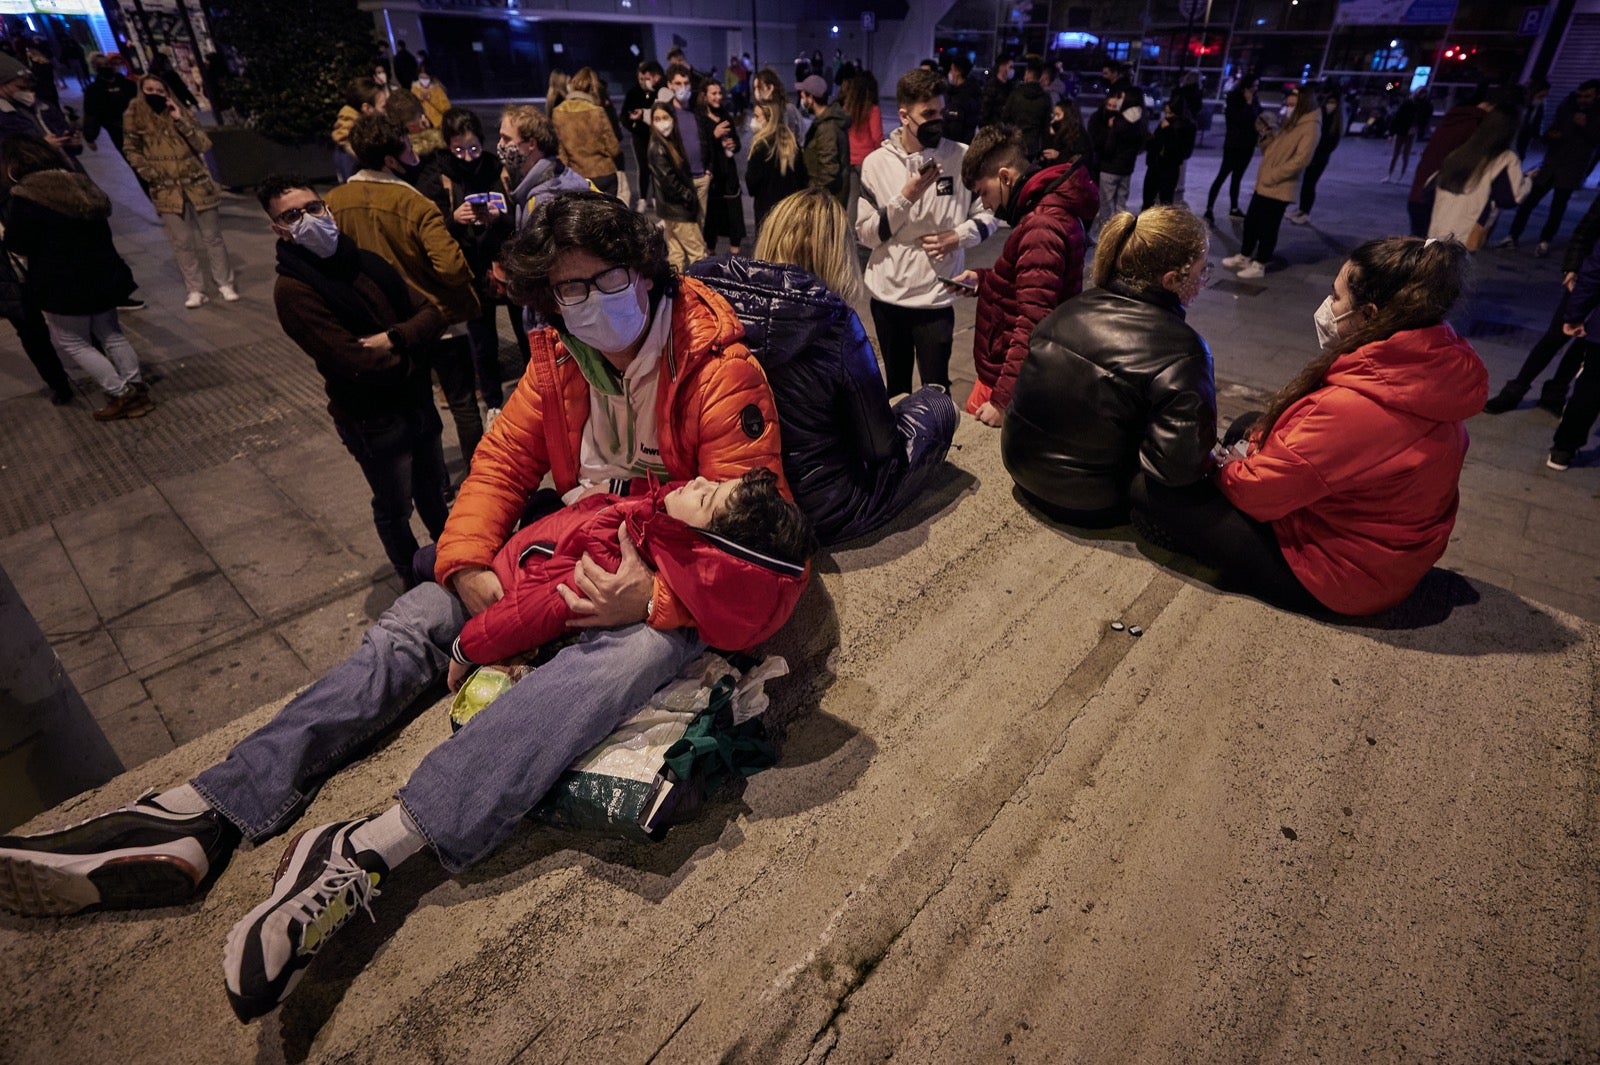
column 1253, row 269
column 639, row 205
column 1299, row 218
column 228, row 293
column 195, row 299
column 1508, row 242
column 1234, row 262
column 488, row 418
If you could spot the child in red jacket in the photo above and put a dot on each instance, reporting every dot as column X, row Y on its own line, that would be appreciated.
column 732, row 553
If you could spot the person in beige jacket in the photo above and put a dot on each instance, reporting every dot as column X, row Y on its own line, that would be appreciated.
column 588, row 142
column 165, row 146
column 435, row 101
column 1285, row 153
column 394, row 221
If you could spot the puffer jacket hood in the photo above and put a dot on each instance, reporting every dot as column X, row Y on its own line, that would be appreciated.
column 1065, row 187
column 66, row 193
column 1431, row 373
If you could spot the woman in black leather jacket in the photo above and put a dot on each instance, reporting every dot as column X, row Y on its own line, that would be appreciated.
column 1115, row 382
column 853, row 461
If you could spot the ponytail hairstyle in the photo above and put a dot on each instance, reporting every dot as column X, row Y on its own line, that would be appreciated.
column 1412, row 284
column 1139, row 250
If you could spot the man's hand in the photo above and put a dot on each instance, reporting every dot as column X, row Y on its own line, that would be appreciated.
column 1574, row 329
column 459, row 672
column 990, row 415
column 917, row 184
column 609, row 599
column 478, row 589
column 938, row 245
column 378, row 342
column 465, row 215
column 1569, row 280
column 963, row 284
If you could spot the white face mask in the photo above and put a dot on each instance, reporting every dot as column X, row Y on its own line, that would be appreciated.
column 424, row 81
column 1327, row 324
column 26, row 97
column 609, row 323
column 664, row 128
column 317, row 233
column 682, row 94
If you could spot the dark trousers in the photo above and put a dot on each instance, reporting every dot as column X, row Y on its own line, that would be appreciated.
column 641, row 153
column 484, row 338
column 1198, row 521
column 608, row 185
column 452, row 365
column 1308, row 184
column 1160, row 184
column 402, row 457
column 1261, row 224
column 1558, row 208
column 1578, row 416
column 926, row 421
column 1235, row 161
column 1420, row 216
column 1544, row 350
column 35, row 337
column 920, row 335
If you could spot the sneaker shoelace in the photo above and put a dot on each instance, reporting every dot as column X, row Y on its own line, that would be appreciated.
column 343, row 889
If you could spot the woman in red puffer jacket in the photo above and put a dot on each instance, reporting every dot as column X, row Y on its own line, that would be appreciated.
column 1041, row 265
column 1345, row 494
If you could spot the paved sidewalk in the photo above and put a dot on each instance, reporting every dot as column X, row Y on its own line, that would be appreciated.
column 212, row 557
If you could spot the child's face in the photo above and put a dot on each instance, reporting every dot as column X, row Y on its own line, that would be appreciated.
column 697, row 502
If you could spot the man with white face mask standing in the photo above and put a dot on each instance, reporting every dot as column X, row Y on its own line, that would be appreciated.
column 21, row 111
column 693, row 402
column 369, row 334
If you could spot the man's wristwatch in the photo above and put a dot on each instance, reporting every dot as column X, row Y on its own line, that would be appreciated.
column 397, row 339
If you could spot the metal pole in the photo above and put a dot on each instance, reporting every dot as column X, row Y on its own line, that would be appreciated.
column 755, row 39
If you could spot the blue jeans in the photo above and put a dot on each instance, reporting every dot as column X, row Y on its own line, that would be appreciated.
column 471, row 792
column 402, row 457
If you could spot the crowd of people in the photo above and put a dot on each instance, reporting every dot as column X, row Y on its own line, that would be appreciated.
column 705, row 422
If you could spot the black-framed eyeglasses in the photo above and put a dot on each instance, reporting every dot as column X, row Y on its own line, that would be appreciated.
column 609, row 281
column 467, row 151
column 294, row 214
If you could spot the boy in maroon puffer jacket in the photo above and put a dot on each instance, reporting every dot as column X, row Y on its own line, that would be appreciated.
column 733, row 553
column 1040, row 267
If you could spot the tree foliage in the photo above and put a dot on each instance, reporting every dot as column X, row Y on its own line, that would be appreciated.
column 297, row 57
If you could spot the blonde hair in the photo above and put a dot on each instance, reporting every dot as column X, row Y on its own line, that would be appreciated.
column 776, row 136
column 586, row 80
column 1139, row 251
column 809, row 230
column 556, row 92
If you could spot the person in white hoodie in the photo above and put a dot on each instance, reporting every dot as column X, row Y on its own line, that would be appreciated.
column 917, row 218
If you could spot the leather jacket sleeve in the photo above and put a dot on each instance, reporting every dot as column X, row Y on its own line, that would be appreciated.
column 1182, row 426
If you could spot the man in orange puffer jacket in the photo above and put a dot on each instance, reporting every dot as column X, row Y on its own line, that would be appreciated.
column 648, row 377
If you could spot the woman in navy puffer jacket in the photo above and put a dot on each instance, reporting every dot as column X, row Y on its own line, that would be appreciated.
column 853, row 461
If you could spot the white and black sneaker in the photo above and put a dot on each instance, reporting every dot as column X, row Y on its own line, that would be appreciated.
column 322, row 880
column 136, row 857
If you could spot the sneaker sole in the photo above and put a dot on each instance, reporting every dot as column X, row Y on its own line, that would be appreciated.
column 37, row 889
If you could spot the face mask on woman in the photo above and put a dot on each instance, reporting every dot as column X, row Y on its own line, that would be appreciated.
column 155, row 101
column 317, row 233
column 609, row 321
column 1327, row 324
column 664, row 127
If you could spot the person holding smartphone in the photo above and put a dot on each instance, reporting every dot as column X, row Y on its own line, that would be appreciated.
column 918, row 218
column 166, row 147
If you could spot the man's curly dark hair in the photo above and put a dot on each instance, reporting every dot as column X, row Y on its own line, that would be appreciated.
column 587, row 221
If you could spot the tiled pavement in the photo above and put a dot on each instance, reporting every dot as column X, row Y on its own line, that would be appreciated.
column 194, row 564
